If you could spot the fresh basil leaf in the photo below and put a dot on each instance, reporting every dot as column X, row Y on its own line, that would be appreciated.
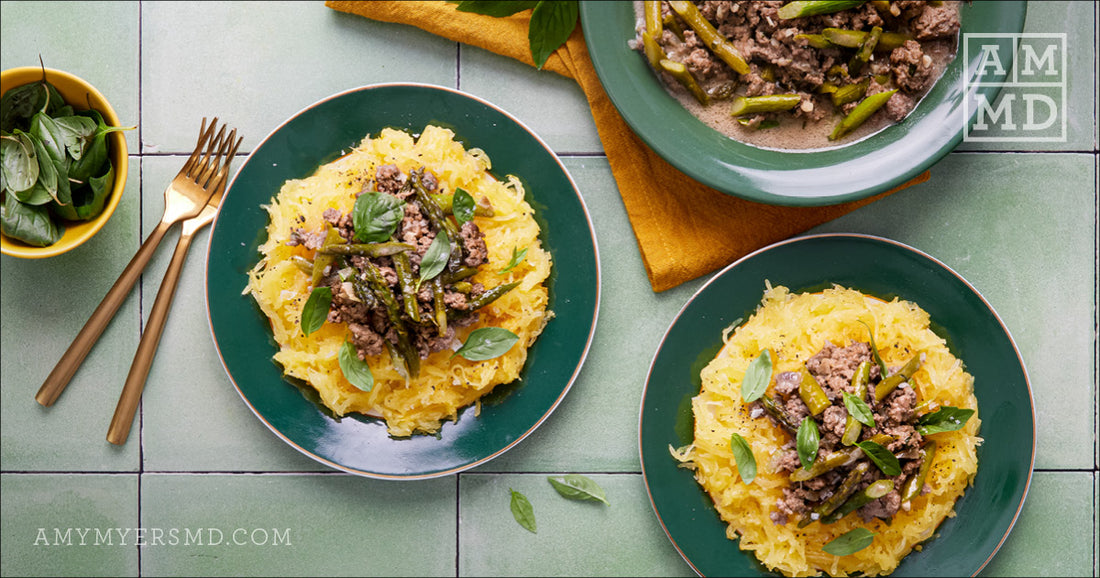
column 807, row 440
column 20, row 104
column 883, row 458
column 30, row 224
column 858, row 409
column 551, row 25
column 46, row 130
column 522, row 511
column 77, row 132
column 376, row 216
column 850, row 542
column 19, row 162
column 315, row 310
column 487, row 343
column 435, row 258
column 946, row 418
column 91, row 161
column 742, row 454
column 496, row 8
column 88, row 198
column 355, row 370
column 874, row 350
column 463, row 207
column 47, row 172
column 757, row 377
column 518, row 255
column 578, row 487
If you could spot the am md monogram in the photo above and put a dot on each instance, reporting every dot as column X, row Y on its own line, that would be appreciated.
column 1030, row 72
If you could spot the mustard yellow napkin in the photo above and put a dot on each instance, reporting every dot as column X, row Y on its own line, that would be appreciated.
column 684, row 229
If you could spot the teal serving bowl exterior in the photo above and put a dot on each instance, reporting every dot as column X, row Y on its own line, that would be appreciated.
column 886, row 269
column 850, row 172
column 361, row 445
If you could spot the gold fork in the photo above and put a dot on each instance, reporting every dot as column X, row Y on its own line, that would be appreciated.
column 150, row 338
column 183, row 199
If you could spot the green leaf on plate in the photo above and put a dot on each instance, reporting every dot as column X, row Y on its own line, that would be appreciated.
column 522, row 511
column 463, row 207
column 518, row 255
column 435, row 258
column 883, row 458
column 376, row 216
column 850, row 542
column 757, row 377
column 486, row 343
column 742, row 454
column 807, row 440
column 315, row 310
column 946, row 418
column 355, row 370
column 578, row 487
column 858, row 409
column 497, row 8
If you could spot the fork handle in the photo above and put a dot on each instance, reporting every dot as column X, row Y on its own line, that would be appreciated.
column 147, row 347
column 66, row 367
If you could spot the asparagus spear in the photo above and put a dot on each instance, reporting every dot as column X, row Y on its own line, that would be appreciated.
column 861, row 113
column 803, row 8
column 718, row 44
column 771, row 103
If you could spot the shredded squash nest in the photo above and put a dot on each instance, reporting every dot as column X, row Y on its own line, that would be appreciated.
column 445, row 385
column 794, row 327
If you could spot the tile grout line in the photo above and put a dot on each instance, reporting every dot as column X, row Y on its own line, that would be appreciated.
column 141, row 196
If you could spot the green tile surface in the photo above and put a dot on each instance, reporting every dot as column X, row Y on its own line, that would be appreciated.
column 573, row 538
column 298, row 525
column 45, row 304
column 1052, row 536
column 1017, row 220
column 69, row 524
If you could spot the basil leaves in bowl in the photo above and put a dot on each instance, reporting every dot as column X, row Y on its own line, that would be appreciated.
column 64, row 162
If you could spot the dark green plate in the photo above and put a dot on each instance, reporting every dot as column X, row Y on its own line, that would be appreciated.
column 323, row 132
column 861, row 169
column 885, row 269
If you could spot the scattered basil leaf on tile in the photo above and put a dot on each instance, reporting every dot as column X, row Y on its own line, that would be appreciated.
column 757, row 377
column 946, row 418
column 883, row 458
column 578, row 487
column 850, row 542
column 742, row 454
column 518, row 255
column 486, row 343
column 463, row 207
column 355, row 370
column 858, row 409
column 315, row 310
column 375, row 216
column 435, row 258
column 551, row 24
column 807, row 440
column 522, row 511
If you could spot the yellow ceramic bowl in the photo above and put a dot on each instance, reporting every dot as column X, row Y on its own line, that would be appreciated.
column 78, row 93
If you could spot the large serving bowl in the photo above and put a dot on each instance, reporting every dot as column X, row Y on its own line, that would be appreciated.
column 81, row 95
column 873, row 165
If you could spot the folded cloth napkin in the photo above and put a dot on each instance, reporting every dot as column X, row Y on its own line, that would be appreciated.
column 684, row 229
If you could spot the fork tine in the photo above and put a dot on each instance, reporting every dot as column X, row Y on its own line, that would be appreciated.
column 204, row 135
column 213, row 160
column 196, row 172
column 219, row 179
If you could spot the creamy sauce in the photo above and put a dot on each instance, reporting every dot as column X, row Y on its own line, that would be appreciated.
column 796, row 134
